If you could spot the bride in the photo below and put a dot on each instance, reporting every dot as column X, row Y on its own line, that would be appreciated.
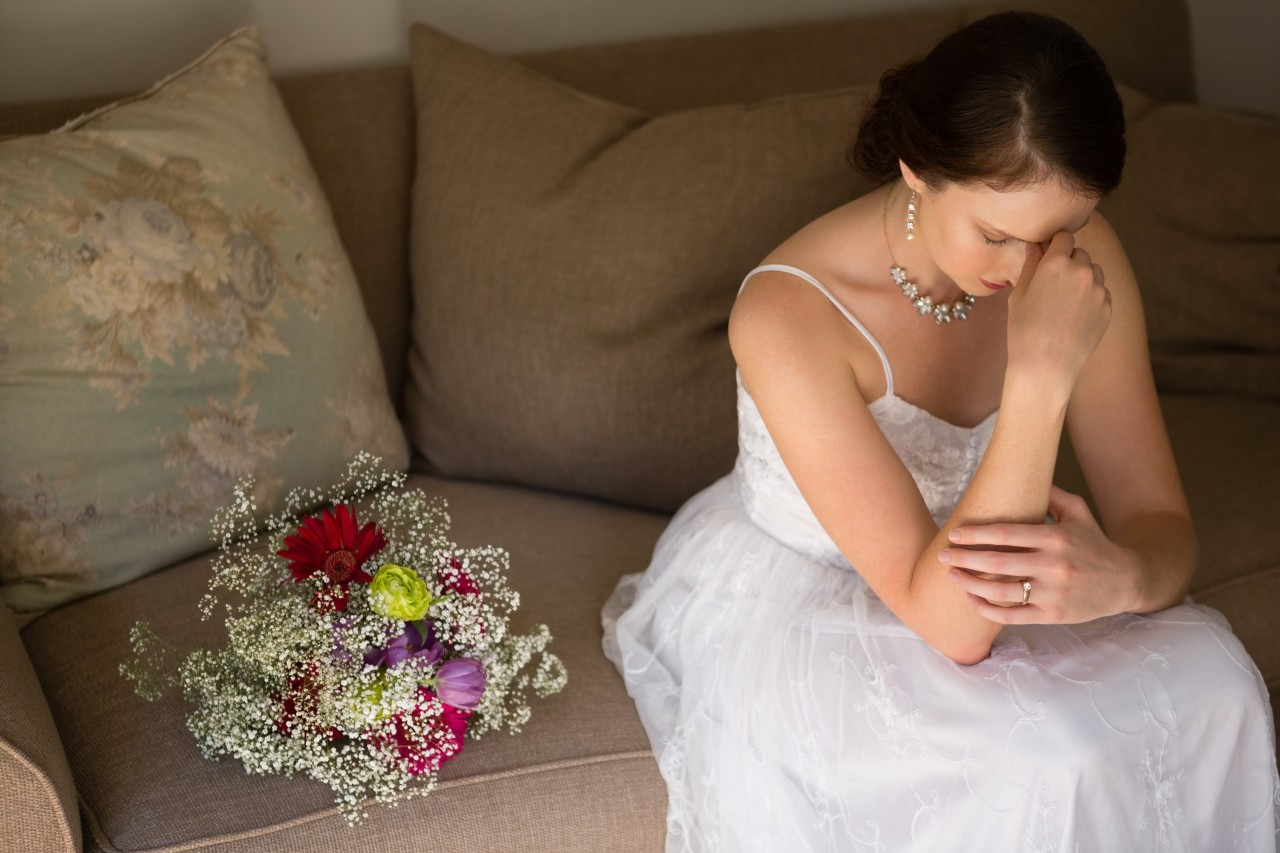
column 886, row 629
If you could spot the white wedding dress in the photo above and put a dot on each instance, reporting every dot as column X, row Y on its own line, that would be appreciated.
column 790, row 710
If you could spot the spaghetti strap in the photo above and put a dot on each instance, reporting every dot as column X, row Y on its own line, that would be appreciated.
column 796, row 271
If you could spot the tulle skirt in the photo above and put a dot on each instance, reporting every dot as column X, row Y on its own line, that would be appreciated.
column 790, row 710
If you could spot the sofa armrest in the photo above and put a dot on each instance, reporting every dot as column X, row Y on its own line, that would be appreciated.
column 37, row 795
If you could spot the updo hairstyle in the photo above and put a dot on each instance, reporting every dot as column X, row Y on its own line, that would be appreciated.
column 1006, row 102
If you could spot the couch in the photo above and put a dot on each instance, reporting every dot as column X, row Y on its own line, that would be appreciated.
column 556, row 353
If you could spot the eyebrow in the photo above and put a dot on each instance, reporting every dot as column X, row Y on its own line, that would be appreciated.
column 1009, row 236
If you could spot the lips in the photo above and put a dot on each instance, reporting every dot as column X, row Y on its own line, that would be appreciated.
column 993, row 286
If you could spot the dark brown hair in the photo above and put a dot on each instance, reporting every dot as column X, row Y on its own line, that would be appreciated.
column 1005, row 102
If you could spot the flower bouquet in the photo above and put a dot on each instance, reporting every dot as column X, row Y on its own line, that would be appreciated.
column 359, row 654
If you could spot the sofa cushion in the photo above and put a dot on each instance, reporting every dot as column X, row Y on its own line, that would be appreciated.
column 1228, row 454
column 178, row 313
column 144, row 786
column 574, row 262
column 1198, row 216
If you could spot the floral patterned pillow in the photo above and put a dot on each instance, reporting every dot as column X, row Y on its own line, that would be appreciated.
column 176, row 312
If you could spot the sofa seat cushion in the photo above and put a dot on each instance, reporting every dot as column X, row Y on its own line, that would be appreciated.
column 144, row 785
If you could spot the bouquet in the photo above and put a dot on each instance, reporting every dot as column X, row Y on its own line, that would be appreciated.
column 363, row 645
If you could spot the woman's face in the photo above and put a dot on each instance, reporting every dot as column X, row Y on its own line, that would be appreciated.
column 977, row 237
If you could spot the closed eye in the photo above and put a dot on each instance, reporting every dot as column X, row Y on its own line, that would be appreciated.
column 991, row 242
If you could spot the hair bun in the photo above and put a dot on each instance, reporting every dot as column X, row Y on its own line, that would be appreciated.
column 875, row 149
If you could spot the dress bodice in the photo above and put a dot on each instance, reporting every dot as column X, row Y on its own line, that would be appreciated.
column 940, row 455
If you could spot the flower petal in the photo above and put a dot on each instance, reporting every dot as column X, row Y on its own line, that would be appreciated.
column 332, row 533
column 460, row 682
column 301, row 571
column 347, row 522
column 369, row 541
column 298, row 555
column 396, row 655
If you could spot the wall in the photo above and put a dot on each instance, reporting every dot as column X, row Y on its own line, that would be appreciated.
column 54, row 48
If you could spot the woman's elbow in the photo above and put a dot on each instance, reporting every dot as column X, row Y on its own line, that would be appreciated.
column 965, row 654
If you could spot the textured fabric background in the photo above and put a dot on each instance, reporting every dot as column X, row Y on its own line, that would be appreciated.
column 574, row 262
column 1198, row 213
column 33, row 765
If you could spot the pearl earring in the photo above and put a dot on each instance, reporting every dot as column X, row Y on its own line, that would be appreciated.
column 911, row 216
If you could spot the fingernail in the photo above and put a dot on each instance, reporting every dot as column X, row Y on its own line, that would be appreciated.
column 954, row 536
column 944, row 555
column 954, row 575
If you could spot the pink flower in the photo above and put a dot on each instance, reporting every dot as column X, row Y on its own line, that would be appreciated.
column 424, row 753
column 456, row 720
column 454, row 578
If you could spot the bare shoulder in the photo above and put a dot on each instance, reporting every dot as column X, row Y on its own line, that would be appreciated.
column 778, row 316
column 781, row 324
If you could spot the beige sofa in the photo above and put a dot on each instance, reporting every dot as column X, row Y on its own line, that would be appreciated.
column 85, row 763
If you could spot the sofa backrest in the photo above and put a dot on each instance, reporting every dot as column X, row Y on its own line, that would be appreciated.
column 358, row 125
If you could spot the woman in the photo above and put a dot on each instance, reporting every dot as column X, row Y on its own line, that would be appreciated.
column 866, row 637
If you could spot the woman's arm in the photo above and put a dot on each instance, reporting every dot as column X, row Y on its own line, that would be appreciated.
column 1145, row 559
column 792, row 352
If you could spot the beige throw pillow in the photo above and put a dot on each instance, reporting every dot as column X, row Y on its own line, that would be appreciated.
column 574, row 262
column 176, row 312
column 1198, row 212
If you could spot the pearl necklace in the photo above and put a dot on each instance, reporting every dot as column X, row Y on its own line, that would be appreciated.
column 942, row 312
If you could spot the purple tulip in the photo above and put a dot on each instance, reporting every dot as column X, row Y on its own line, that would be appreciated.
column 460, row 682
column 409, row 645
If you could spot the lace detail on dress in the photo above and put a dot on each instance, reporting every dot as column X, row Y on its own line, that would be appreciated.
column 941, row 457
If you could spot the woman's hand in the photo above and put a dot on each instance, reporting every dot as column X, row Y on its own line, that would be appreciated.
column 1058, row 311
column 1077, row 574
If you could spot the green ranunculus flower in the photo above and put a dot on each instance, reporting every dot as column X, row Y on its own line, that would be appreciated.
column 398, row 593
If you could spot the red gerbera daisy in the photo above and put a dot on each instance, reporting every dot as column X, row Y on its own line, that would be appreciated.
column 333, row 546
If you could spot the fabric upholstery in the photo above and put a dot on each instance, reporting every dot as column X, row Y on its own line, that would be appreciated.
column 1229, row 461
column 1197, row 213
column 178, row 314
column 580, row 778
column 574, row 262
column 144, row 785
column 33, row 764
column 358, row 130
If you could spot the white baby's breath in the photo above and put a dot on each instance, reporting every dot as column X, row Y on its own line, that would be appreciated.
column 291, row 693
